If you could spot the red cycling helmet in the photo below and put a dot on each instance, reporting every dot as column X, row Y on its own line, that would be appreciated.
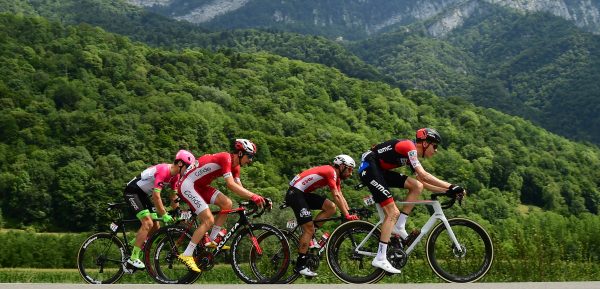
column 428, row 134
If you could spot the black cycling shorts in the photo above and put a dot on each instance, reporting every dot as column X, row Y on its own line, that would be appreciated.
column 302, row 203
column 379, row 181
column 137, row 199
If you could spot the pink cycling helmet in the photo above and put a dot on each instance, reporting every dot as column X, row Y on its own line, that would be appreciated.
column 185, row 156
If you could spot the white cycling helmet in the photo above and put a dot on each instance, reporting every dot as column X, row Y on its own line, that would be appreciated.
column 345, row 160
column 244, row 145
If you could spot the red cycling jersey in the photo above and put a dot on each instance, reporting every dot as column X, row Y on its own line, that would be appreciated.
column 317, row 177
column 212, row 166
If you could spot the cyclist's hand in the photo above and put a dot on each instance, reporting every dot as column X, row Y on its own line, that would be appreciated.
column 351, row 217
column 258, row 199
column 167, row 218
column 455, row 190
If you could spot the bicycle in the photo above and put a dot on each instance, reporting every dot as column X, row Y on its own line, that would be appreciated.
column 102, row 257
column 314, row 254
column 464, row 254
column 251, row 256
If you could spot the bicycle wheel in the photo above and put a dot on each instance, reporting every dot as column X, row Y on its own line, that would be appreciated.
column 290, row 276
column 101, row 258
column 165, row 245
column 260, row 253
column 348, row 265
column 468, row 263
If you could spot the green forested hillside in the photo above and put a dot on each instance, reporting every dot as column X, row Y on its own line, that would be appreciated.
column 157, row 30
column 83, row 111
column 536, row 66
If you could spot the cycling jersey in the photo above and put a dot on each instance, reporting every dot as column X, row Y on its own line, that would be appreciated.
column 299, row 196
column 315, row 178
column 139, row 189
column 155, row 177
column 396, row 153
column 195, row 189
column 376, row 164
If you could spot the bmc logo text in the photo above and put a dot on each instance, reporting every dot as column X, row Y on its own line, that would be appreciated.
column 385, row 149
column 380, row 188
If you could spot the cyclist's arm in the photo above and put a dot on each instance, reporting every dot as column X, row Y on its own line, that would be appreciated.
column 430, row 181
column 238, row 189
column 340, row 201
column 160, row 208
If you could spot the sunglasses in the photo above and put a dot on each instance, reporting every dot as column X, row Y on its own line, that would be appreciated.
column 250, row 156
column 435, row 146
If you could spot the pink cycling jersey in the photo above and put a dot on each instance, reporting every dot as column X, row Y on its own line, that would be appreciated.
column 317, row 177
column 156, row 177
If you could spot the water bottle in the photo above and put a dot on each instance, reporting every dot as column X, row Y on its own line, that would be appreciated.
column 323, row 240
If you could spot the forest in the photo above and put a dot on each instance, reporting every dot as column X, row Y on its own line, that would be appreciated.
column 83, row 111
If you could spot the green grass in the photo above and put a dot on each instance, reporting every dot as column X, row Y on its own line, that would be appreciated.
column 416, row 271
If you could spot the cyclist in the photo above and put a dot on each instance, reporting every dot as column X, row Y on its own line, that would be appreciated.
column 301, row 199
column 148, row 185
column 196, row 191
column 375, row 173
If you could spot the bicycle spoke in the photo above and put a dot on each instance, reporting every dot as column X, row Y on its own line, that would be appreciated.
column 100, row 259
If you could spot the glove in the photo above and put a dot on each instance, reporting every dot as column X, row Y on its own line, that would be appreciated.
column 351, row 217
column 455, row 190
column 167, row 218
column 258, row 199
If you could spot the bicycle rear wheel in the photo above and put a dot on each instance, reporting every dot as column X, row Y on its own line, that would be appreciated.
column 165, row 245
column 101, row 258
column 468, row 263
column 348, row 265
column 260, row 253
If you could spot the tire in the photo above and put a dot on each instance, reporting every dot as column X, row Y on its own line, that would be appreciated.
column 266, row 266
column 452, row 265
column 161, row 253
column 290, row 276
column 345, row 264
column 101, row 258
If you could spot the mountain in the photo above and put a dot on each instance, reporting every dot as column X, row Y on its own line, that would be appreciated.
column 84, row 110
column 537, row 66
column 354, row 19
column 153, row 29
column 526, row 58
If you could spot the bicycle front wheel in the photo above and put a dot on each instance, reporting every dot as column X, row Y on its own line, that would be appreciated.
column 290, row 276
column 260, row 253
column 100, row 259
column 468, row 263
column 345, row 262
column 165, row 245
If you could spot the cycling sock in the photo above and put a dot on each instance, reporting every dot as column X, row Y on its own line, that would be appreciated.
column 382, row 251
column 402, row 220
column 189, row 251
column 135, row 253
column 215, row 231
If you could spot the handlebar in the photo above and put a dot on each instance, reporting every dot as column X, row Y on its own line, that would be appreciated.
column 253, row 209
column 453, row 198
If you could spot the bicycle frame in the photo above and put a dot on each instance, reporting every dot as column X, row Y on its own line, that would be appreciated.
column 438, row 215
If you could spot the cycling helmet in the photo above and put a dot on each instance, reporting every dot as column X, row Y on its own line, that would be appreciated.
column 429, row 134
column 185, row 156
column 245, row 146
column 345, row 160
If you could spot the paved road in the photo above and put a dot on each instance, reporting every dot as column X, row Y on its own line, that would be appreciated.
column 520, row 285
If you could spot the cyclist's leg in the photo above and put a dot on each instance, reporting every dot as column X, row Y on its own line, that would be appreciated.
column 215, row 197
column 414, row 190
column 296, row 200
column 139, row 204
column 326, row 206
column 373, row 178
column 196, row 203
